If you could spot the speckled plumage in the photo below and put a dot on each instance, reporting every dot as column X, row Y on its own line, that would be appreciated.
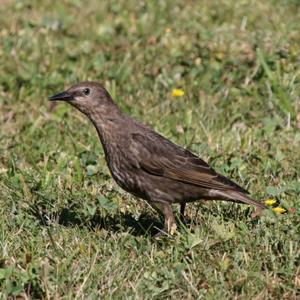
column 146, row 164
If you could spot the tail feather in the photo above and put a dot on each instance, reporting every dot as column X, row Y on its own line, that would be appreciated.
column 240, row 197
column 246, row 199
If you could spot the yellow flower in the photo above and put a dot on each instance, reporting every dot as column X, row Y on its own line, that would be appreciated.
column 279, row 210
column 177, row 93
column 270, row 202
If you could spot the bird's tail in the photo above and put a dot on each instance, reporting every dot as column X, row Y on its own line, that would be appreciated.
column 241, row 197
column 246, row 199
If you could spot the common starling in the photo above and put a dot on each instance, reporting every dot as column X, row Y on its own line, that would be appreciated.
column 146, row 164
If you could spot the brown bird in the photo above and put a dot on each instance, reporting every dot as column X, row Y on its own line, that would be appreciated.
column 146, row 164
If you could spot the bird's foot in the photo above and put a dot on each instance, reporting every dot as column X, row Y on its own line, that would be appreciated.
column 170, row 230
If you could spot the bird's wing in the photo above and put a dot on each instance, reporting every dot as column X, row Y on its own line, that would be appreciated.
column 174, row 162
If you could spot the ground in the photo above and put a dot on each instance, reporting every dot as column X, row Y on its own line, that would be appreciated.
column 67, row 230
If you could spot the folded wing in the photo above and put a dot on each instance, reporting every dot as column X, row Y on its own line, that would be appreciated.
column 174, row 162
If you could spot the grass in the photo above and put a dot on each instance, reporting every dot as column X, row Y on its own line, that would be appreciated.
column 67, row 231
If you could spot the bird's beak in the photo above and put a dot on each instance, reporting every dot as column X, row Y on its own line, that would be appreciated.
column 64, row 96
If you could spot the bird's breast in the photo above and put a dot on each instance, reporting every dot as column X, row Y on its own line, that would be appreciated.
column 119, row 166
column 120, row 163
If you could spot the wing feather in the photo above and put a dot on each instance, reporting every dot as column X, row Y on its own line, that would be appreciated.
column 174, row 162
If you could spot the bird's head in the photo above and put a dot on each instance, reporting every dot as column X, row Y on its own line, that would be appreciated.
column 85, row 96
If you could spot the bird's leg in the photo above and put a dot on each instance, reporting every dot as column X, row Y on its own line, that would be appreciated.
column 182, row 208
column 169, row 223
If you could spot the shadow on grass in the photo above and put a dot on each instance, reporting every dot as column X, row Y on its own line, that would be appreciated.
column 146, row 224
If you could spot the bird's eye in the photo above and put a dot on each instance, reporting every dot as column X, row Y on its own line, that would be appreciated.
column 86, row 91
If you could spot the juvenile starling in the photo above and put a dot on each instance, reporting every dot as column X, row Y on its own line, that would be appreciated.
column 146, row 164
